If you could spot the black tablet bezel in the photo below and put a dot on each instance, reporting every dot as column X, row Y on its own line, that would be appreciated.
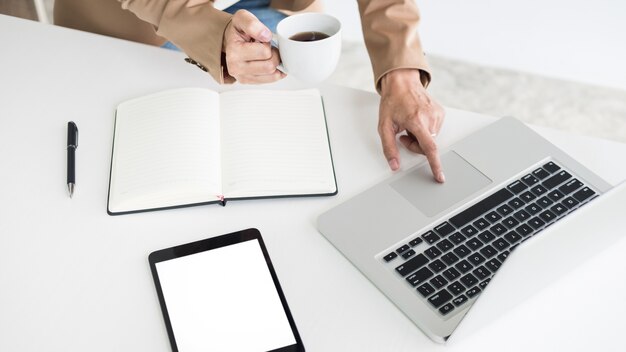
column 214, row 243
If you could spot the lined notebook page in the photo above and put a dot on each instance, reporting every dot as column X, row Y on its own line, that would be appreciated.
column 274, row 143
column 166, row 150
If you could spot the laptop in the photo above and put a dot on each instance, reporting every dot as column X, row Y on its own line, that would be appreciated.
column 433, row 248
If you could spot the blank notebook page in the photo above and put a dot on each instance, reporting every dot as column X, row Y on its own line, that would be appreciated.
column 164, row 147
column 275, row 143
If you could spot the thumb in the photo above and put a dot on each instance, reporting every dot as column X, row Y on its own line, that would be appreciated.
column 247, row 24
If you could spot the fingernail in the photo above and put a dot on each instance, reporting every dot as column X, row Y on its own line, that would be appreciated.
column 441, row 177
column 393, row 164
column 266, row 35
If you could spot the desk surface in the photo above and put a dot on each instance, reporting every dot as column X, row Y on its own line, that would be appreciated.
column 75, row 279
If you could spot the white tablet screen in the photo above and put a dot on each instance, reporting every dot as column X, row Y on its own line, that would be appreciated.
column 224, row 299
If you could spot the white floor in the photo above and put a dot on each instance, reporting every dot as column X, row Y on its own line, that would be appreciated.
column 572, row 106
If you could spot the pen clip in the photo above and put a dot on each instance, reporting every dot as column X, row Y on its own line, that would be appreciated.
column 72, row 141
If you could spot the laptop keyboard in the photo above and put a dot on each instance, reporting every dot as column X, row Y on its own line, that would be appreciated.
column 453, row 262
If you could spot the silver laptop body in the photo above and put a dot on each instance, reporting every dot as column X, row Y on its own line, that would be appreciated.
column 544, row 259
column 405, row 234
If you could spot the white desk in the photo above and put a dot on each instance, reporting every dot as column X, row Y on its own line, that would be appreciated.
column 73, row 278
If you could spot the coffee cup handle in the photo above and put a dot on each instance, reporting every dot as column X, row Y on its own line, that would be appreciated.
column 274, row 43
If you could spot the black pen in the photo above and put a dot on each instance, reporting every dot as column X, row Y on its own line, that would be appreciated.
column 72, row 144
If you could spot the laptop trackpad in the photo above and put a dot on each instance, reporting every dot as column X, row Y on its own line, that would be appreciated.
column 420, row 188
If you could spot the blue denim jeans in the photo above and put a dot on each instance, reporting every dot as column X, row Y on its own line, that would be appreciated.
column 260, row 8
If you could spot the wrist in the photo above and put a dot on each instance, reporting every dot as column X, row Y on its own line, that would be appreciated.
column 400, row 79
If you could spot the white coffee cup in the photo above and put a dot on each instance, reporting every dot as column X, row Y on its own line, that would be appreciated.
column 309, row 61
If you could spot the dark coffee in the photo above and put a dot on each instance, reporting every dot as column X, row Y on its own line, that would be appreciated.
column 309, row 36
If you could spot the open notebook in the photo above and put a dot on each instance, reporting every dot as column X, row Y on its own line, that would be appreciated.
column 195, row 146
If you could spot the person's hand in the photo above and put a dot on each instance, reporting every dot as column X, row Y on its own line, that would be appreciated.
column 406, row 106
column 250, row 58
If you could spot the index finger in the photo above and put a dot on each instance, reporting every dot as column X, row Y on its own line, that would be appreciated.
column 244, row 21
column 429, row 147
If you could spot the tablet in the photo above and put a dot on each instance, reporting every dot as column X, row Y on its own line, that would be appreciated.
column 222, row 294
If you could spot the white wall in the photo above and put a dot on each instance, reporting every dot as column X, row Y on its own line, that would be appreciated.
column 569, row 39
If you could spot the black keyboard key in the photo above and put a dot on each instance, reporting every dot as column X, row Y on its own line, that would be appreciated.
column 459, row 300
column 430, row 237
column 502, row 256
column 419, row 277
column 437, row 265
column 528, row 196
column 444, row 245
column 486, row 236
column 479, row 208
column 536, row 223
column 533, row 209
column 451, row 274
column 516, row 203
column 500, row 244
column 472, row 292
column 416, row 242
column 461, row 251
column 493, row 265
column 530, row 180
column 457, row 238
column 450, row 258
column 469, row 280
column 551, row 167
column 484, row 284
column 493, row 217
column 481, row 273
column 547, row 216
column 517, row 187
column 469, row 231
column 444, row 229
column 557, row 179
column 476, row 259
column 463, row 266
column 524, row 230
column 474, row 243
column 498, row 229
column 559, row 209
column 481, row 224
column 539, row 190
column 412, row 264
column 555, row 195
column 438, row 281
column 510, row 222
column 456, row 288
column 432, row 252
column 513, row 237
column 447, row 308
column 570, row 186
column 522, row 215
column 408, row 254
column 440, row 298
column 541, row 173
column 504, row 209
column 570, row 202
column 583, row 194
column 544, row 202
column 390, row 256
column 488, row 251
column 402, row 249
column 426, row 290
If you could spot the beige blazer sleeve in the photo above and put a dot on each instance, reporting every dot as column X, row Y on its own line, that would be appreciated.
column 390, row 31
column 197, row 29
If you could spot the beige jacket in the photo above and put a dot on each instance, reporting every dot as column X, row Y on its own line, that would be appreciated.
column 195, row 26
